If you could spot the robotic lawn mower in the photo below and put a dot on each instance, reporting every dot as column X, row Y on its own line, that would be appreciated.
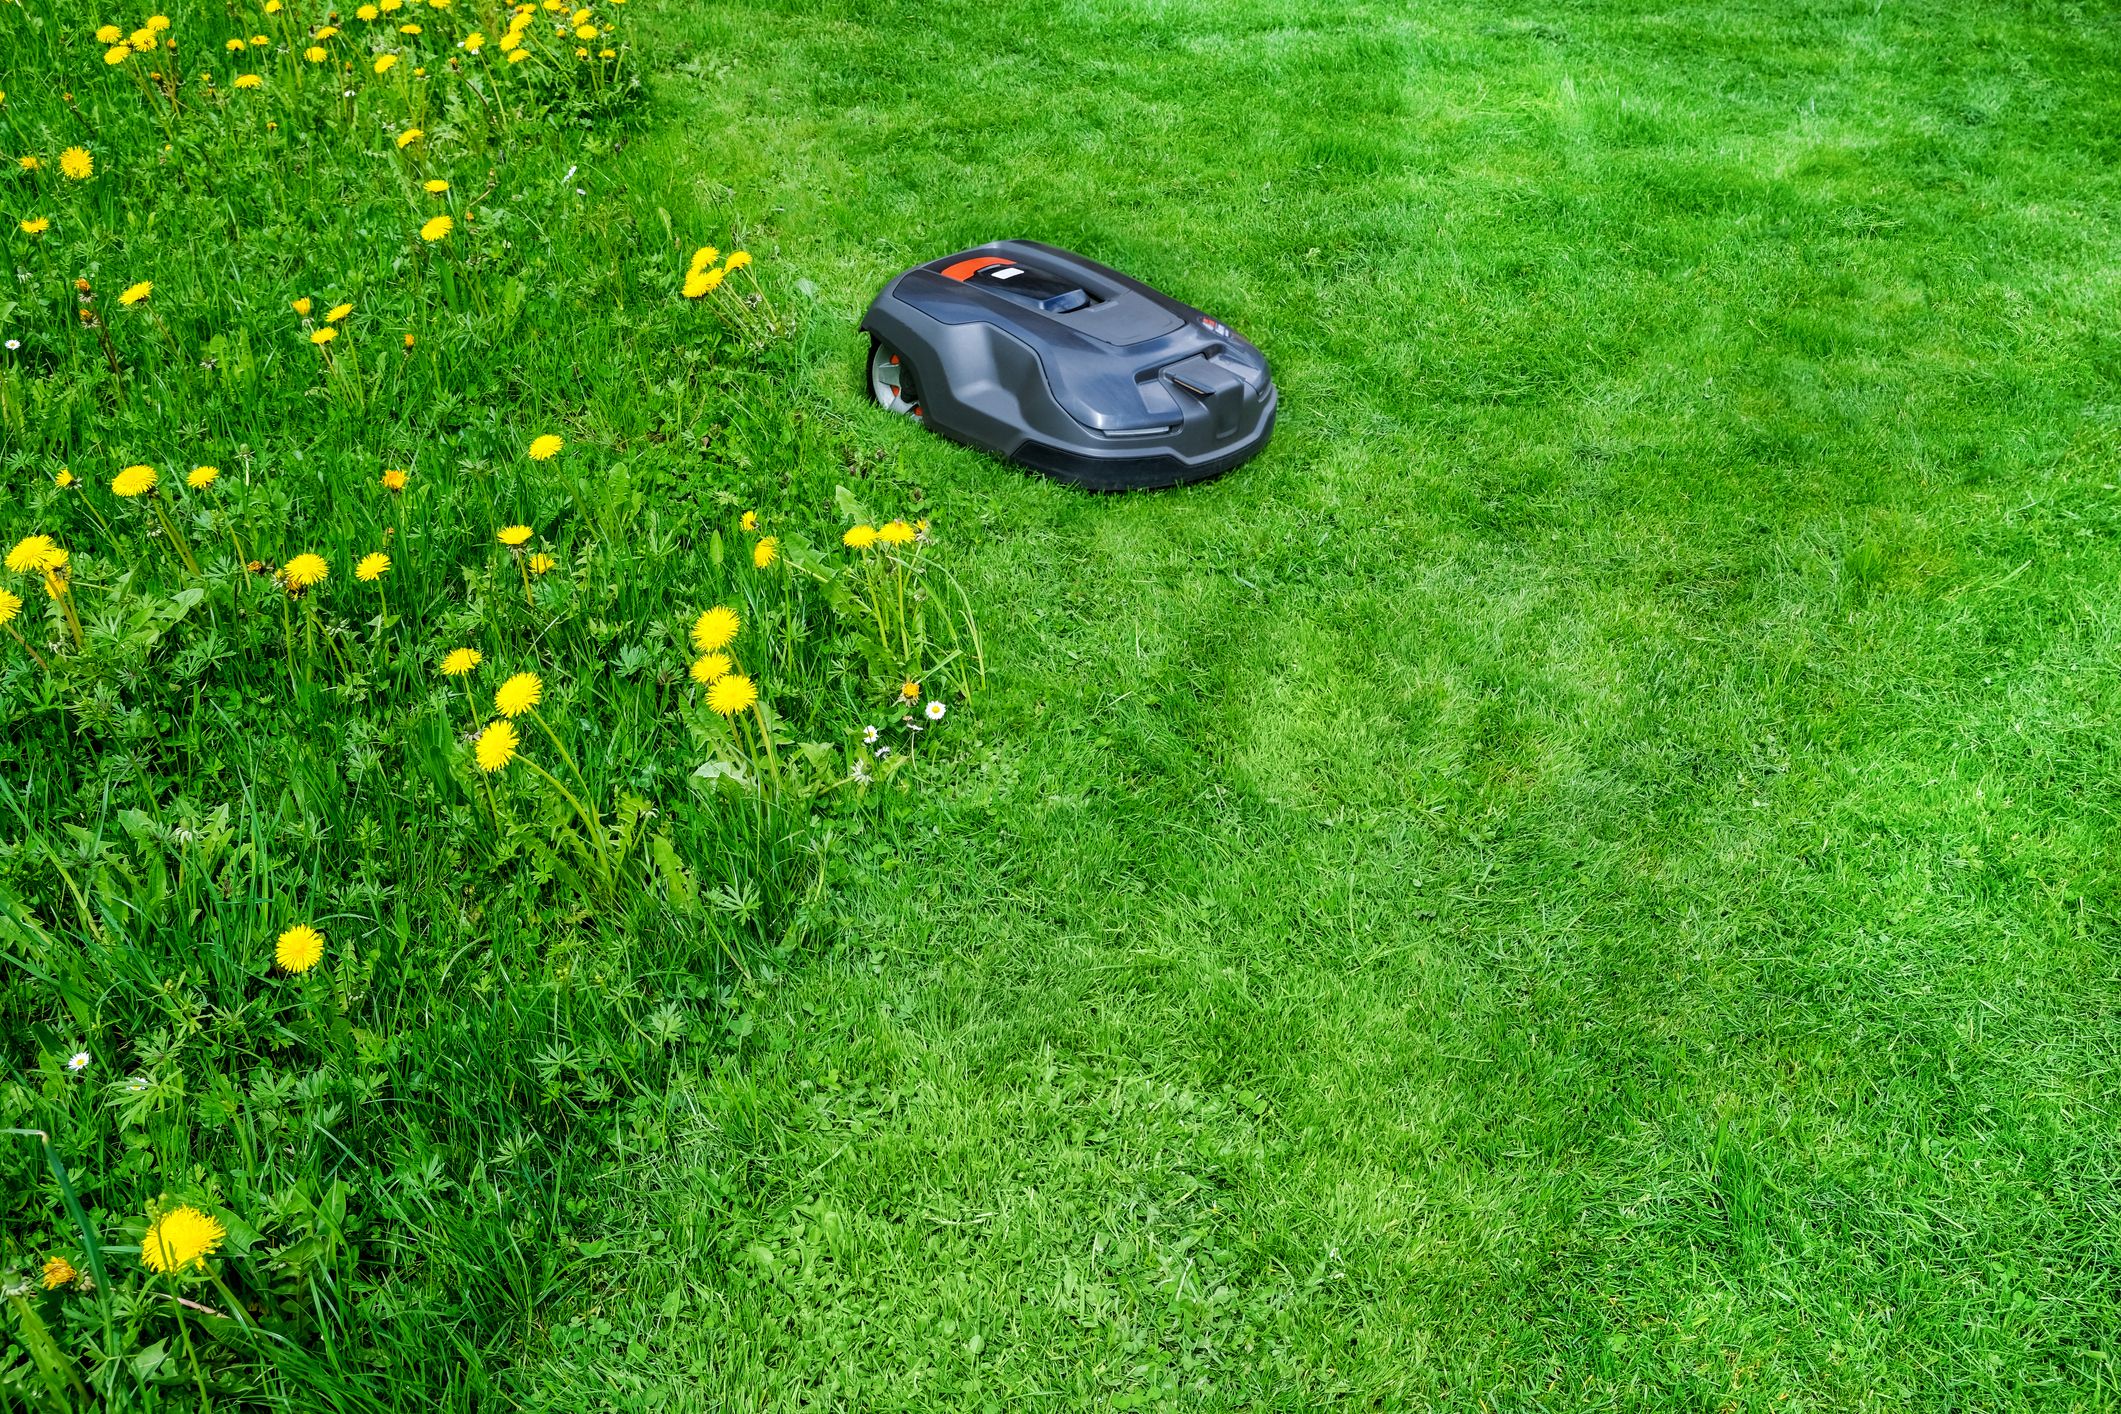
column 1068, row 367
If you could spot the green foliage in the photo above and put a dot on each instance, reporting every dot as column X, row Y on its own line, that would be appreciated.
column 1582, row 879
column 226, row 715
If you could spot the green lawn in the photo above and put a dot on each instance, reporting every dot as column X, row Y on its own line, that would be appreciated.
column 1584, row 877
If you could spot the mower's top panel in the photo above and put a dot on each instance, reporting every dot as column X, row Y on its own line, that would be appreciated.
column 1010, row 276
column 1104, row 341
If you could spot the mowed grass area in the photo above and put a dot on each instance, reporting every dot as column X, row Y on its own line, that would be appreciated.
column 1584, row 878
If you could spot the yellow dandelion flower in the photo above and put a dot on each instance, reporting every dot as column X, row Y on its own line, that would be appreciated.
column 117, row 54
column 409, row 137
column 435, row 186
column 249, row 81
column 10, row 605
column 475, row 41
column 77, row 164
column 133, row 294
column 34, row 554
column 519, row 694
column 235, row 46
column 202, row 477
column 749, row 520
column 859, row 537
column 36, row 225
column 732, row 694
column 461, row 661
column 909, row 690
column 59, row 1272
column 895, row 532
column 180, row 1238
column 338, row 312
column 436, row 228
column 410, row 29
column 142, row 39
column 158, row 23
column 259, row 41
column 541, row 562
column 64, row 479
column 315, row 54
column 305, row 571
column 512, row 535
column 715, row 629
column 497, row 746
column 706, row 671
column 394, row 480
column 607, row 53
column 738, row 259
column 385, row 63
column 585, row 31
column 299, row 948
column 766, row 551
column 705, row 256
column 302, row 306
column 366, row 12
column 324, row 335
column 703, row 283
column 545, row 448
column 28, row 164
column 109, row 34
column 372, row 567
column 133, row 481
column 328, row 32
column 519, row 55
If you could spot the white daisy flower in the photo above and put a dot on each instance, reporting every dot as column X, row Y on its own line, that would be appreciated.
column 77, row 1062
column 935, row 711
column 869, row 735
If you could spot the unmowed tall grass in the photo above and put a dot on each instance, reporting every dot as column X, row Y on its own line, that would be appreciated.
column 437, row 664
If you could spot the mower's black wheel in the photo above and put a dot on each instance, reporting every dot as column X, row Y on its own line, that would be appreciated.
column 891, row 381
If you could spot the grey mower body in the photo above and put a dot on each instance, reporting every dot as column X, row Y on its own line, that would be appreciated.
column 1068, row 367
